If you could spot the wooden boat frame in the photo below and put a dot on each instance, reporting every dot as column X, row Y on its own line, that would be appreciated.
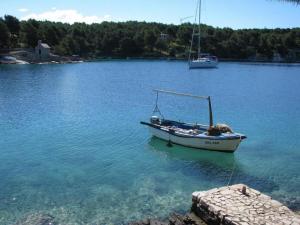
column 208, row 137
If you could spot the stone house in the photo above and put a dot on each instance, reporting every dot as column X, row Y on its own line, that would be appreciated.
column 42, row 50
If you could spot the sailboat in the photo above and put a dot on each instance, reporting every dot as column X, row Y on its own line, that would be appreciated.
column 219, row 137
column 202, row 60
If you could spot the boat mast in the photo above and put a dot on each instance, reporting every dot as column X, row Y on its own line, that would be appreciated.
column 199, row 30
column 193, row 34
column 211, row 122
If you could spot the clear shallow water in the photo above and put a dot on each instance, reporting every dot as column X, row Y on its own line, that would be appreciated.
column 71, row 144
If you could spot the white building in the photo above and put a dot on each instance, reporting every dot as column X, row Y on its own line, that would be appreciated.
column 42, row 50
column 164, row 37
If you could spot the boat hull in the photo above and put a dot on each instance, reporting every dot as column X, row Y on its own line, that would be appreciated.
column 213, row 144
column 203, row 64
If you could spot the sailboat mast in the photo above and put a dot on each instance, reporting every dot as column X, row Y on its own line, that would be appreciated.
column 194, row 30
column 199, row 30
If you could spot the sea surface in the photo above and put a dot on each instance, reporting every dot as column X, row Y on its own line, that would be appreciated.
column 72, row 146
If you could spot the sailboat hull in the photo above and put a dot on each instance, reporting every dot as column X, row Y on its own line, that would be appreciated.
column 194, row 64
column 224, row 145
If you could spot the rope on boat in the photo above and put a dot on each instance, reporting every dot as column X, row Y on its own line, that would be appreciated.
column 169, row 142
column 156, row 109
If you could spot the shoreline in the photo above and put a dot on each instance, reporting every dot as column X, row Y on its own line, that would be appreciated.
column 231, row 205
column 108, row 59
column 234, row 205
column 27, row 56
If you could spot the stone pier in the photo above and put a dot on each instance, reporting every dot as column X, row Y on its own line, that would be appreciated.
column 241, row 205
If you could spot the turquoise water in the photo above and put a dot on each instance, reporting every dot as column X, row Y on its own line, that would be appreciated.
column 71, row 144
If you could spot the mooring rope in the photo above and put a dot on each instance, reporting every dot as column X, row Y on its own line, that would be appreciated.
column 233, row 168
column 231, row 175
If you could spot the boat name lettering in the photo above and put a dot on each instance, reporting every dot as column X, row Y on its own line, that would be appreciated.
column 212, row 142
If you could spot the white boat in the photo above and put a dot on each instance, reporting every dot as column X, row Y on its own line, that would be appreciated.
column 202, row 60
column 218, row 137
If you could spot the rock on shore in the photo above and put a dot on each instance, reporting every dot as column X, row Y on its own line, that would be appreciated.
column 37, row 219
column 174, row 219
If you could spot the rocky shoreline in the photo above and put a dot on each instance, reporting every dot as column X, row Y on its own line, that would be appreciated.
column 28, row 56
column 37, row 219
column 174, row 219
column 232, row 205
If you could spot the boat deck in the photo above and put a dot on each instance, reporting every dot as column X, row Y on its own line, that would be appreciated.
column 194, row 130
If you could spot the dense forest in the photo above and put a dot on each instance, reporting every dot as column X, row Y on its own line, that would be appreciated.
column 141, row 39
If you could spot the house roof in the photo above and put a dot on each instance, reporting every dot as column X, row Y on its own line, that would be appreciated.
column 44, row 45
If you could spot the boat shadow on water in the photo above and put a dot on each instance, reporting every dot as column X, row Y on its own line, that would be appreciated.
column 192, row 154
column 212, row 166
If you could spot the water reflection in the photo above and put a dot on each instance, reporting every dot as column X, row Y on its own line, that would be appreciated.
column 217, row 167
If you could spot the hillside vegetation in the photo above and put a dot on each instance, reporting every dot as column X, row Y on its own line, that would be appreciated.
column 141, row 39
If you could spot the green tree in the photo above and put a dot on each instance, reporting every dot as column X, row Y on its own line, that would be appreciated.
column 290, row 39
column 264, row 48
column 50, row 35
column 171, row 31
column 109, row 43
column 67, row 46
column 4, row 34
column 150, row 39
column 128, row 46
column 184, row 34
column 161, row 45
column 30, row 33
column 13, row 24
column 140, row 42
